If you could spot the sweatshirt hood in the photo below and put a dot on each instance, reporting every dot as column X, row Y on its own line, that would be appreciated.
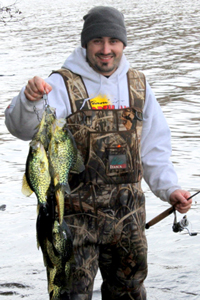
column 77, row 63
column 97, row 84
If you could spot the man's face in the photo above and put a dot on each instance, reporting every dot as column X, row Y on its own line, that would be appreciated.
column 104, row 54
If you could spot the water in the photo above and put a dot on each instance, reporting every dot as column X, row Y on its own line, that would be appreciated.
column 164, row 43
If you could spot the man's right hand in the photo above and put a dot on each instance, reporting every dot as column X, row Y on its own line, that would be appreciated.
column 36, row 88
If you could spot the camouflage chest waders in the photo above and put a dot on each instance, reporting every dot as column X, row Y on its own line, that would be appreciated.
column 106, row 209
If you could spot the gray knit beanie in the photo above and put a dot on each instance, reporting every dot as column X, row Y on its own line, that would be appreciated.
column 103, row 21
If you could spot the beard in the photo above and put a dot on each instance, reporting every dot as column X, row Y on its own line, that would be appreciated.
column 103, row 68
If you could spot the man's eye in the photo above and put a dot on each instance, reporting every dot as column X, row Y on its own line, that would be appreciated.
column 97, row 41
column 114, row 41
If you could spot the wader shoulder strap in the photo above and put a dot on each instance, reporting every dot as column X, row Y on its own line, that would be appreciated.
column 77, row 91
column 75, row 87
column 137, row 89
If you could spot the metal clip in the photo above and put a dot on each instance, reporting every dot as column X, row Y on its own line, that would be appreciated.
column 139, row 116
column 45, row 98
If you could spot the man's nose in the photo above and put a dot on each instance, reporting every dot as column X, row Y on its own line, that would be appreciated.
column 106, row 48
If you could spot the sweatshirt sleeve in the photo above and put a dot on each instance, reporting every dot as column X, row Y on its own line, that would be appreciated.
column 158, row 170
column 22, row 116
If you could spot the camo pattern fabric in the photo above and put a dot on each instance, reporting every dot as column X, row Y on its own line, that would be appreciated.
column 108, row 139
column 107, row 224
column 75, row 86
column 106, row 209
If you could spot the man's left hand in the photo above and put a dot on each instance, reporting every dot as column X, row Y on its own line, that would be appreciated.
column 179, row 200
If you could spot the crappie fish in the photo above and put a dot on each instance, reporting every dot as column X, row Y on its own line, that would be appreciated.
column 52, row 146
column 60, row 254
column 63, row 156
column 44, row 128
column 37, row 177
column 37, row 160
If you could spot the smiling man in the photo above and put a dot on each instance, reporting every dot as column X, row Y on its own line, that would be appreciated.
column 104, row 54
column 122, row 135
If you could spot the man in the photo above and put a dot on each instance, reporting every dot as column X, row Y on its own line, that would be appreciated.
column 122, row 134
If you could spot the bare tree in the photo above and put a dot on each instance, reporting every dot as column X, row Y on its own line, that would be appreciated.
column 9, row 13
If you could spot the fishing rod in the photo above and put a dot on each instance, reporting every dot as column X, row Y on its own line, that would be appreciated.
column 177, row 226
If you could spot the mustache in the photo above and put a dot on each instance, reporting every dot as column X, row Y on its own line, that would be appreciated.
column 106, row 55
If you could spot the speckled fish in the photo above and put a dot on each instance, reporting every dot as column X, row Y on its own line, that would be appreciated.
column 60, row 254
column 37, row 155
column 63, row 156
column 37, row 176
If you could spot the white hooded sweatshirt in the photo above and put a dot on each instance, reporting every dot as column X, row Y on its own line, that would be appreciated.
column 159, row 173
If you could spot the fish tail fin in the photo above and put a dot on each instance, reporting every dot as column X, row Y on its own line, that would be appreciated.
column 79, row 165
column 65, row 188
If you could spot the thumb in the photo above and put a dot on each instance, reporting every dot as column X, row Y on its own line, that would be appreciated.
column 47, row 88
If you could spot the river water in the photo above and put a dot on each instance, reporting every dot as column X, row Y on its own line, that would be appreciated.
column 164, row 43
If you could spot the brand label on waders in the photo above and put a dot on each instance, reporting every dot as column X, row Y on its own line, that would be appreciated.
column 117, row 159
